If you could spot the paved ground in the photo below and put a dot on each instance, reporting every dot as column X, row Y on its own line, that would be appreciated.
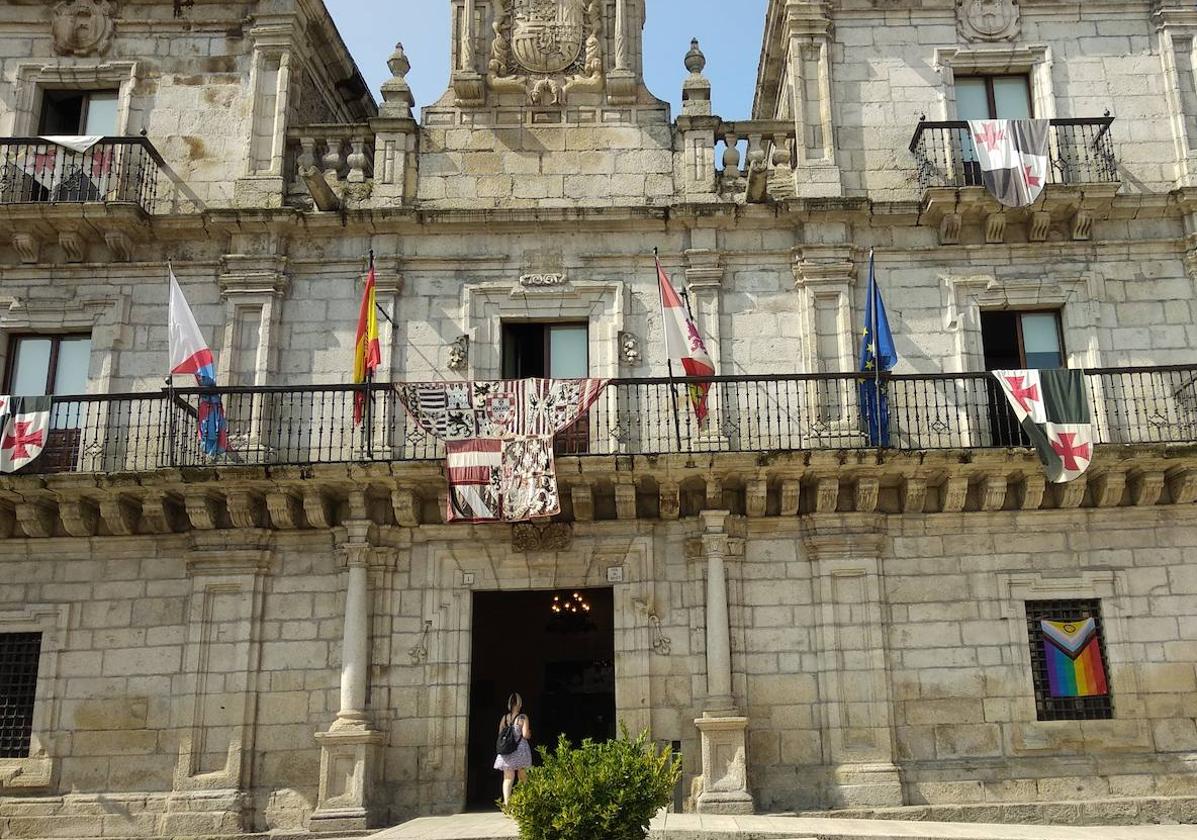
column 700, row 827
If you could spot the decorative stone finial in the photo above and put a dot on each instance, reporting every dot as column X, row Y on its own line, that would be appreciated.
column 696, row 89
column 398, row 63
column 695, row 61
column 397, row 99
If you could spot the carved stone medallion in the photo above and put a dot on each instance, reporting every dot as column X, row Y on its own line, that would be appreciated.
column 82, row 27
column 988, row 20
column 547, row 35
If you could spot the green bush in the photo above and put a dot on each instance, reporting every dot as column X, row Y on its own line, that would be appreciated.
column 607, row 790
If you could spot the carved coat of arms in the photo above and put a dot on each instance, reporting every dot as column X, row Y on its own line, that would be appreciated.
column 81, row 27
column 547, row 35
column 989, row 20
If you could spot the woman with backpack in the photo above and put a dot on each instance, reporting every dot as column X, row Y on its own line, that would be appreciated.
column 514, row 754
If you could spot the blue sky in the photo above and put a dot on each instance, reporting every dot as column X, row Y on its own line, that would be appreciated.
column 730, row 34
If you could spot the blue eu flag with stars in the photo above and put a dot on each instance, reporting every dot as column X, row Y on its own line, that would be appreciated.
column 877, row 355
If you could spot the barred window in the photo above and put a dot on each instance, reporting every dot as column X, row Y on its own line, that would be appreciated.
column 1068, row 660
column 19, row 654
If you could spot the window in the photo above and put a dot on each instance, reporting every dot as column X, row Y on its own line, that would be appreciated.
column 989, row 98
column 1020, row 340
column 538, row 350
column 1015, row 340
column 19, row 655
column 48, row 364
column 1069, row 667
column 554, row 351
column 74, row 112
column 993, row 98
column 54, row 365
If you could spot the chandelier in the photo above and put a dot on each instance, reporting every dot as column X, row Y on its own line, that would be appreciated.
column 570, row 613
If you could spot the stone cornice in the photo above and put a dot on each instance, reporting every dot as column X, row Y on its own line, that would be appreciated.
column 243, row 508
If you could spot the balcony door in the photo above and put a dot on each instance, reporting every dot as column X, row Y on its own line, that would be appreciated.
column 538, row 350
column 989, row 98
column 53, row 365
column 1015, row 340
column 77, row 112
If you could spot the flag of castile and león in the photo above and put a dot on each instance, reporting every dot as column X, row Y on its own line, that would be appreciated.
column 1013, row 156
column 683, row 342
column 1053, row 408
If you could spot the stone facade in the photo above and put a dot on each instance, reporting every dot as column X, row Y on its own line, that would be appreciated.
column 285, row 644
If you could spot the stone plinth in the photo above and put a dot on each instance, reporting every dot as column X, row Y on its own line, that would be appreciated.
column 724, row 766
column 347, row 759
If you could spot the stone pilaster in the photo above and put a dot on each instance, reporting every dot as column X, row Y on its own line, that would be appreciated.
column 816, row 172
column 854, row 683
column 349, row 749
column 723, row 731
column 395, row 133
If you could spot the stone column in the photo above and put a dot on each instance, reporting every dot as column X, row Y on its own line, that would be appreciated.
column 348, row 751
column 723, row 731
column 854, row 679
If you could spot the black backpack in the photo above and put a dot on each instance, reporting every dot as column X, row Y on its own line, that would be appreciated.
column 509, row 740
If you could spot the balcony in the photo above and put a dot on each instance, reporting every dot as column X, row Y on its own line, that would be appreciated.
column 1082, row 181
column 634, row 417
column 116, row 170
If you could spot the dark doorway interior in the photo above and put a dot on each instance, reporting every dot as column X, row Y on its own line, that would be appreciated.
column 562, row 661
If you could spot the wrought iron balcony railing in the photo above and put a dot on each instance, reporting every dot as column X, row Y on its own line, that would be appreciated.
column 1081, row 152
column 314, row 425
column 114, row 170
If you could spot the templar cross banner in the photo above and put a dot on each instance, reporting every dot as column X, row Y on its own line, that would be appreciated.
column 499, row 441
column 1013, row 155
column 1052, row 406
column 24, row 429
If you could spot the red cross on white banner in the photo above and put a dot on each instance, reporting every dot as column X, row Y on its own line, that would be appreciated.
column 24, row 435
column 1026, row 394
column 1072, row 449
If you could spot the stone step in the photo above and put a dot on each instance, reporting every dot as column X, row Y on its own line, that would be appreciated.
column 709, row 827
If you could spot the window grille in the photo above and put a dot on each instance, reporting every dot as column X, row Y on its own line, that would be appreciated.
column 1095, row 701
column 19, row 654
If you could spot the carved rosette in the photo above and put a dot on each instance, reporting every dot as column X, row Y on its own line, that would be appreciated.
column 546, row 49
column 988, row 20
column 82, row 27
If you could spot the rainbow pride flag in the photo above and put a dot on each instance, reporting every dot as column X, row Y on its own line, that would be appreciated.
column 1074, row 666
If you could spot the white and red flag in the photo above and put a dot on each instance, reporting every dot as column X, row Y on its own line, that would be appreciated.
column 1013, row 155
column 1052, row 406
column 683, row 343
column 189, row 353
column 24, row 430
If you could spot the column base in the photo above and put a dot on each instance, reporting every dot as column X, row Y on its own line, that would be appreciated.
column 724, row 766
column 348, row 754
column 860, row 785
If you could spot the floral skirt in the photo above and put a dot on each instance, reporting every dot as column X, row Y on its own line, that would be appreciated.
column 521, row 759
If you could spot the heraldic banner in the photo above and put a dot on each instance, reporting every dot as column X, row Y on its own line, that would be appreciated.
column 1013, row 155
column 499, row 441
column 1052, row 406
column 24, row 430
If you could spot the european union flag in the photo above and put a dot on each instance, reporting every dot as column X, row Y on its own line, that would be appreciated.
column 877, row 355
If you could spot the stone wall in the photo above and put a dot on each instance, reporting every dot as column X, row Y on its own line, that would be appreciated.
column 160, row 709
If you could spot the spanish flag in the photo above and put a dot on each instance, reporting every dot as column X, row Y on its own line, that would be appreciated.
column 366, row 355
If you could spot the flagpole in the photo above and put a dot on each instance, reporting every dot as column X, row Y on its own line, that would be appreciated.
column 677, row 422
column 368, row 426
column 170, row 377
column 876, row 344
